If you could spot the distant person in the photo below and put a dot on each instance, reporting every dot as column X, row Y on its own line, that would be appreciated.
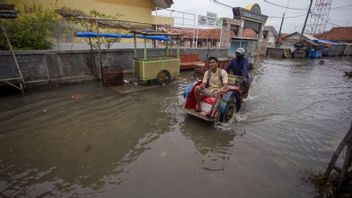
column 214, row 83
column 239, row 66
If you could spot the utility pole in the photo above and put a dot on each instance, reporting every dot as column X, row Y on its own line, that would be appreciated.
column 305, row 22
column 282, row 22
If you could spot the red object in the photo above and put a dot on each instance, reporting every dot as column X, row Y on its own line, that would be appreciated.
column 188, row 61
column 191, row 101
column 209, row 100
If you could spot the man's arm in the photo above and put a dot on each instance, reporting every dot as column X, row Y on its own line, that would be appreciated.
column 225, row 81
column 229, row 66
column 205, row 79
column 244, row 69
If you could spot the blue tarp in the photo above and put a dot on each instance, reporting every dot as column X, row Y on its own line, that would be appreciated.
column 321, row 41
column 113, row 35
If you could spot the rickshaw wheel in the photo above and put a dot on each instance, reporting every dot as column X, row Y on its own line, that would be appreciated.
column 163, row 77
column 229, row 113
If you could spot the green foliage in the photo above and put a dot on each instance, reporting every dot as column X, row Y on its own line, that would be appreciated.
column 30, row 30
column 91, row 26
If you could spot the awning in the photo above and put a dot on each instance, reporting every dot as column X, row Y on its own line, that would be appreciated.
column 115, row 35
column 321, row 41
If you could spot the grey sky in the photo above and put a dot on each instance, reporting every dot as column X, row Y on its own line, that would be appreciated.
column 337, row 17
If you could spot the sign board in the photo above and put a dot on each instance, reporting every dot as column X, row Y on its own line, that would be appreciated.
column 211, row 18
column 7, row 11
column 253, row 14
column 202, row 20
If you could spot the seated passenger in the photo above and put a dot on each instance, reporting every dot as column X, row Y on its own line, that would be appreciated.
column 214, row 83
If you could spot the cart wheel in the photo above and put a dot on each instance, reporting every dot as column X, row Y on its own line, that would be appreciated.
column 163, row 77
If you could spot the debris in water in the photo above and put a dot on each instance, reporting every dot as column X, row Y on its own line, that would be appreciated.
column 78, row 96
column 163, row 154
column 348, row 74
column 44, row 110
column 88, row 147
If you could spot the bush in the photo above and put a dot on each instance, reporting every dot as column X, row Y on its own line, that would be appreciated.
column 30, row 30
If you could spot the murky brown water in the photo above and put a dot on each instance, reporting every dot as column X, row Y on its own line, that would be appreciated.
column 89, row 141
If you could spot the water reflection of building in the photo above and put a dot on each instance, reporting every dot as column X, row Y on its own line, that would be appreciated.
column 207, row 140
column 77, row 146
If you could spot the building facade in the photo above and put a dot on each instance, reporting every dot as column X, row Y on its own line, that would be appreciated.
column 245, row 30
column 128, row 10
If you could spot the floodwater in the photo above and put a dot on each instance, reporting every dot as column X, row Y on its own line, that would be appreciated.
column 88, row 141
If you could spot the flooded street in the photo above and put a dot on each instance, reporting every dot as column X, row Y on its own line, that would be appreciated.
column 89, row 141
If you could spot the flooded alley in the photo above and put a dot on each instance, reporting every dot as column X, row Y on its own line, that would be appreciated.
column 86, row 140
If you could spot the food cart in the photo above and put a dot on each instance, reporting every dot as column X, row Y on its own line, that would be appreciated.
column 160, row 68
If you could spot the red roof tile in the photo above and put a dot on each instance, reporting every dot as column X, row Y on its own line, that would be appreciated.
column 337, row 34
column 249, row 33
column 202, row 33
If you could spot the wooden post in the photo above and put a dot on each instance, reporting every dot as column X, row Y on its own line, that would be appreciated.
column 346, row 142
column 167, row 48
column 338, row 151
column 135, row 45
column 145, row 47
column 178, row 46
column 346, row 165
column 22, row 83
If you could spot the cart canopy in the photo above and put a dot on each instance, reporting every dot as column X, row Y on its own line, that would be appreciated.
column 115, row 35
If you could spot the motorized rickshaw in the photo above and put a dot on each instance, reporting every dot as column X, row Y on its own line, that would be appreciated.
column 227, row 105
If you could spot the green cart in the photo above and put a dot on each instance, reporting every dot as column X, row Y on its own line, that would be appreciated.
column 161, row 68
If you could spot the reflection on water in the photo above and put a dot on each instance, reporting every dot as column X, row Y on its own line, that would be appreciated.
column 89, row 141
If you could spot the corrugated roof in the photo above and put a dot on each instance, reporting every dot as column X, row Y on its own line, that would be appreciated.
column 202, row 33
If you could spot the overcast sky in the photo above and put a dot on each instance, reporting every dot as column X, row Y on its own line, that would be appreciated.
column 337, row 16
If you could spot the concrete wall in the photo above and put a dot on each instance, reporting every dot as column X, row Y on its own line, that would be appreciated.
column 336, row 50
column 274, row 52
column 130, row 10
column 78, row 65
column 348, row 50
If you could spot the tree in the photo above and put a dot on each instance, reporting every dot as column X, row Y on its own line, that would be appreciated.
column 91, row 25
column 30, row 30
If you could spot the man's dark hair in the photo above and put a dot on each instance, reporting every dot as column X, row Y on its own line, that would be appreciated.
column 213, row 58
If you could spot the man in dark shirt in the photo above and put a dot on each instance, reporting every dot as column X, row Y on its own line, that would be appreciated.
column 239, row 67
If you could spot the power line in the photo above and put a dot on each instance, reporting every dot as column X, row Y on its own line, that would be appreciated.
column 266, row 1
column 282, row 6
column 288, row 17
column 216, row 1
column 344, row 6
